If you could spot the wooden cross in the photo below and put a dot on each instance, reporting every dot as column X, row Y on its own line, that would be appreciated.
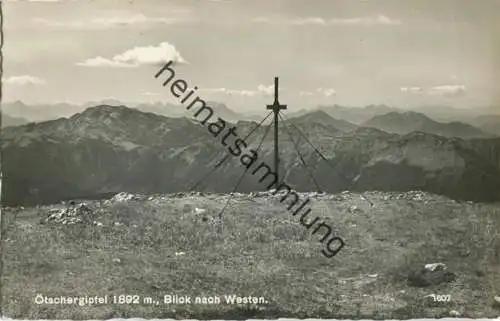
column 276, row 107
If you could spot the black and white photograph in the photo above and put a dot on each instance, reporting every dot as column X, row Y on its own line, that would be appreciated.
column 236, row 159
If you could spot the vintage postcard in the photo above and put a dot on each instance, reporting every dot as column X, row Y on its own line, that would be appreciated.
column 232, row 159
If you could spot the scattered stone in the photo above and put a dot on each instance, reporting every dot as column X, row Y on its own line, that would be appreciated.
column 179, row 253
column 431, row 274
column 199, row 210
column 69, row 215
column 496, row 301
column 435, row 266
column 454, row 313
column 353, row 209
column 116, row 260
column 122, row 197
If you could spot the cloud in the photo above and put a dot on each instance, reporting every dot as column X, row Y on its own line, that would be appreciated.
column 448, row 90
column 24, row 80
column 262, row 90
column 412, row 90
column 267, row 90
column 149, row 93
column 231, row 92
column 326, row 92
column 318, row 21
column 109, row 21
column 309, row 21
column 445, row 90
column 379, row 20
column 149, row 55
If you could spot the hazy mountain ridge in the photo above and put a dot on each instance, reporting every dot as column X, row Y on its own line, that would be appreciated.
column 8, row 120
column 409, row 121
column 45, row 112
column 488, row 123
column 112, row 149
column 356, row 115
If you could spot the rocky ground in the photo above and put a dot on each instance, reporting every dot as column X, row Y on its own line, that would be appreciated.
column 403, row 252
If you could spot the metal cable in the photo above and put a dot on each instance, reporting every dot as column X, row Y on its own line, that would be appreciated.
column 243, row 175
column 227, row 156
column 300, row 155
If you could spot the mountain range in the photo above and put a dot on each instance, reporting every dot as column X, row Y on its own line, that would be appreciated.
column 44, row 112
column 352, row 114
column 410, row 121
column 108, row 149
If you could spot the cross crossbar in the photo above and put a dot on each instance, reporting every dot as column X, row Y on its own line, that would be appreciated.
column 276, row 107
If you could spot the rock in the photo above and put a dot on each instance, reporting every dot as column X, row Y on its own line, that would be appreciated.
column 435, row 266
column 431, row 275
column 116, row 260
column 496, row 301
column 199, row 210
column 70, row 215
column 454, row 313
column 122, row 197
column 354, row 209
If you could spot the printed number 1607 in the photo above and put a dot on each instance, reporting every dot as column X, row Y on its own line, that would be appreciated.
column 440, row 297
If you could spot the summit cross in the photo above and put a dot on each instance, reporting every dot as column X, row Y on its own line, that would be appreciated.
column 276, row 107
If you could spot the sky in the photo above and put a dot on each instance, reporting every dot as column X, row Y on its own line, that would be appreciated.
column 346, row 52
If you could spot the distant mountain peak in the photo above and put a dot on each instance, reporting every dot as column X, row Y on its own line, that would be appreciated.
column 105, row 109
column 317, row 114
column 321, row 117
